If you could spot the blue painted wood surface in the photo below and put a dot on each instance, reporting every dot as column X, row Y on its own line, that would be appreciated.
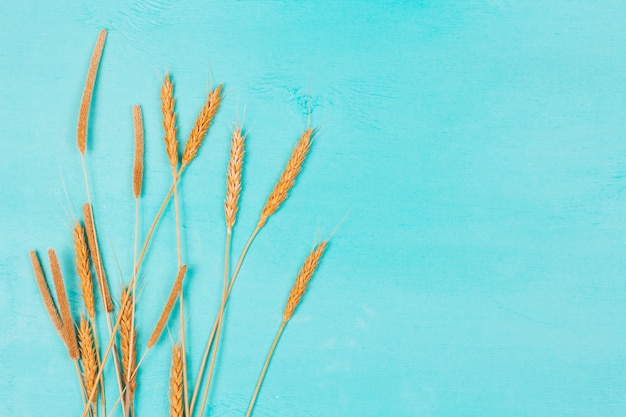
column 479, row 147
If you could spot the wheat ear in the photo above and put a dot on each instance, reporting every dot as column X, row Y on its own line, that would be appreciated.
column 88, row 356
column 295, row 296
column 138, row 165
column 233, row 177
column 169, row 305
column 128, row 338
column 64, row 306
column 231, row 206
column 85, row 104
column 83, row 269
column 289, row 175
column 176, row 383
column 275, row 199
column 96, row 258
column 169, row 120
column 46, row 295
column 203, row 122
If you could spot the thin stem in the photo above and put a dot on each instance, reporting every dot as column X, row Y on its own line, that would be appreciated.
column 101, row 379
column 220, row 321
column 137, row 265
column 116, row 359
column 267, row 362
column 108, row 315
column 181, row 299
column 80, row 382
column 132, row 290
column 217, row 319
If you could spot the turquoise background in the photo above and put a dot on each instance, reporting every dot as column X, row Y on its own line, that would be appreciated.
column 479, row 148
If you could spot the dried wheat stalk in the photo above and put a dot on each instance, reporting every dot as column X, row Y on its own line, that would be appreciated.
column 138, row 165
column 302, row 280
column 85, row 104
column 88, row 356
column 176, row 383
column 203, row 122
column 169, row 121
column 64, row 306
column 233, row 178
column 178, row 284
column 96, row 258
column 46, row 295
column 128, row 340
column 295, row 296
column 83, row 269
column 289, row 175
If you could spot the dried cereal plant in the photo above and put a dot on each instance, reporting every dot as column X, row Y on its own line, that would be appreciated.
column 169, row 121
column 85, row 104
column 176, row 383
column 83, row 269
column 46, row 295
column 96, row 258
column 295, row 296
column 64, row 306
column 203, row 122
column 169, row 305
column 88, row 355
column 138, row 165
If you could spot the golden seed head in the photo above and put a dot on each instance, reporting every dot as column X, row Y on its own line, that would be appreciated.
column 176, row 383
column 83, row 269
column 85, row 104
column 138, row 165
column 233, row 178
column 203, row 122
column 169, row 121
column 88, row 356
column 302, row 280
column 289, row 175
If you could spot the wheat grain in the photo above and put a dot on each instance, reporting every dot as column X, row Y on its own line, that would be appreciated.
column 64, row 306
column 176, row 383
column 83, row 269
column 85, row 104
column 233, row 178
column 88, row 356
column 169, row 305
column 138, row 165
column 288, row 177
column 302, row 280
column 46, row 295
column 203, row 122
column 128, row 340
column 169, row 121
column 96, row 258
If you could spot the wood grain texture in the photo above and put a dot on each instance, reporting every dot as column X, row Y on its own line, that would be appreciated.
column 478, row 147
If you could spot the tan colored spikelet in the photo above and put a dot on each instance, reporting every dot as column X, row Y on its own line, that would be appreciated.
column 302, row 280
column 46, row 295
column 64, row 306
column 169, row 305
column 176, row 383
column 128, row 339
column 83, row 269
column 169, row 121
column 85, row 104
column 88, row 356
column 138, row 165
column 203, row 122
column 96, row 258
column 233, row 178
column 288, row 177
